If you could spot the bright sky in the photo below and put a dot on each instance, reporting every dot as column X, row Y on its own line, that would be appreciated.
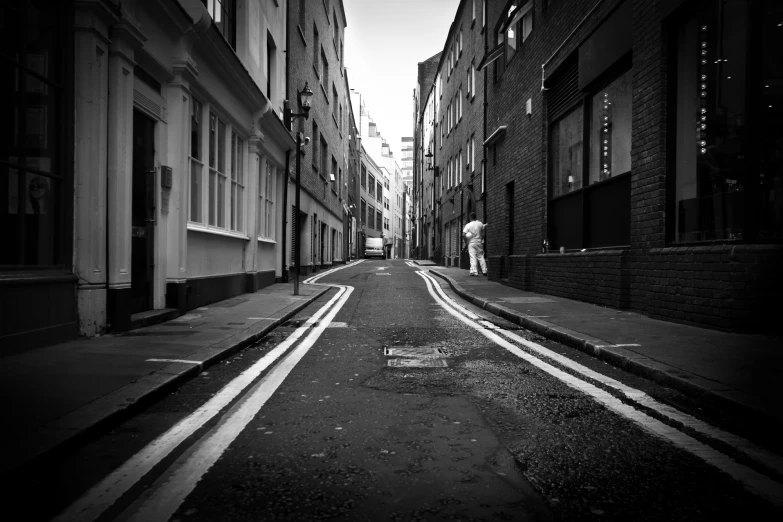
column 384, row 42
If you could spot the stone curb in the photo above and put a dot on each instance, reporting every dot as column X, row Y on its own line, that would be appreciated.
column 73, row 427
column 599, row 348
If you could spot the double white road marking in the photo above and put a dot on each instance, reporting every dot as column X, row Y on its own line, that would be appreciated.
column 169, row 491
column 754, row 481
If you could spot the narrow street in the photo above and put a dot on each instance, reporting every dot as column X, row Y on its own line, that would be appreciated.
column 389, row 398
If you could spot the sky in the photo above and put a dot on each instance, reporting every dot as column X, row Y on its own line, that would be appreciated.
column 384, row 42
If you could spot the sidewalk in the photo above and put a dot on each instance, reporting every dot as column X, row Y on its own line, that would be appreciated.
column 54, row 395
column 729, row 370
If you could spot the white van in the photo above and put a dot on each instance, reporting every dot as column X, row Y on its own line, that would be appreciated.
column 373, row 247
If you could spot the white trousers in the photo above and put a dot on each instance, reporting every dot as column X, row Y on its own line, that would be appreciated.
column 476, row 252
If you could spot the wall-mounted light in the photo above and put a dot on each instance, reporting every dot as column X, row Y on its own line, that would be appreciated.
column 331, row 177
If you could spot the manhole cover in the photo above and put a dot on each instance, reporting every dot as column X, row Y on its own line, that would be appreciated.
column 413, row 351
column 409, row 362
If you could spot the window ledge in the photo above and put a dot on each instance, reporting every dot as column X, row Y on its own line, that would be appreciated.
column 301, row 33
column 317, row 74
column 323, row 90
column 266, row 240
column 195, row 227
column 722, row 248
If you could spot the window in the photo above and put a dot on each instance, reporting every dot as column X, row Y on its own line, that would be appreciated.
column 459, row 166
column 316, row 143
column 334, row 104
column 378, row 219
column 515, row 29
column 472, row 153
column 335, row 29
column 271, row 65
column 460, row 41
column 483, row 13
column 267, row 187
column 364, row 176
column 363, row 212
column 459, row 104
column 35, row 215
column 728, row 157
column 324, row 158
column 379, row 192
column 324, row 70
column 302, row 11
column 334, row 173
column 217, row 172
column 223, row 14
column 316, row 53
column 474, row 11
column 370, row 216
column 237, row 182
column 590, row 160
column 196, row 164
column 371, row 187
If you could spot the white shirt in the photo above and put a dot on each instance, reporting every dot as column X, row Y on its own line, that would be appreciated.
column 476, row 229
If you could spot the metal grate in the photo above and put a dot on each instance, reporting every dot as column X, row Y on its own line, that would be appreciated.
column 145, row 102
column 563, row 90
column 412, row 362
column 413, row 351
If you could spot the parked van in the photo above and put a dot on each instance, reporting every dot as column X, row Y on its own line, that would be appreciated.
column 373, row 247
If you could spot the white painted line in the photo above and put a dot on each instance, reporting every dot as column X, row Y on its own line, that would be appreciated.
column 615, row 345
column 262, row 318
column 752, row 480
column 173, row 361
column 170, row 490
column 101, row 496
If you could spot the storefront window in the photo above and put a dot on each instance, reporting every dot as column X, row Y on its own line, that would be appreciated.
column 32, row 177
column 566, row 153
column 728, row 123
column 610, row 129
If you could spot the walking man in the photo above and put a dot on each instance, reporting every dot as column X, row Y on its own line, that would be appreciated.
column 474, row 235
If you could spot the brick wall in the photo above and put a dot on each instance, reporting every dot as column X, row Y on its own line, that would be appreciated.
column 598, row 277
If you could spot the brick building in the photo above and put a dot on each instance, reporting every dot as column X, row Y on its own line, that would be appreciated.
column 315, row 58
column 643, row 138
column 450, row 130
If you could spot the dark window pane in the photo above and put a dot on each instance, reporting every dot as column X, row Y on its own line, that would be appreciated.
column 610, row 129
column 771, row 157
column 566, row 153
column 711, row 115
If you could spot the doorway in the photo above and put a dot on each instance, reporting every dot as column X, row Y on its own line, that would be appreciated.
column 143, row 213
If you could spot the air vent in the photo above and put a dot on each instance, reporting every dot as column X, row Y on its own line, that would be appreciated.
column 149, row 105
column 563, row 89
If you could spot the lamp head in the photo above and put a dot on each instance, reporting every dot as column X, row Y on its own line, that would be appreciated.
column 305, row 98
column 331, row 177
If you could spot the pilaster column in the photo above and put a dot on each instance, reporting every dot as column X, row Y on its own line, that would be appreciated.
column 125, row 40
column 255, row 167
column 178, row 101
column 91, row 43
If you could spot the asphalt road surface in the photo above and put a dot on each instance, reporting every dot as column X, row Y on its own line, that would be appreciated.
column 389, row 399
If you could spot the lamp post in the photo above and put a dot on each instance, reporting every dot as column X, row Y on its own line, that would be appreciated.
column 303, row 98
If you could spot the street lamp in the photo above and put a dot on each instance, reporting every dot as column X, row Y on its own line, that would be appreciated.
column 304, row 98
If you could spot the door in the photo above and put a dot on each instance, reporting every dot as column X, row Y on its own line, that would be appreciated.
column 143, row 213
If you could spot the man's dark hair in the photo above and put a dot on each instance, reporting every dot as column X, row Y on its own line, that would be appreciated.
column 473, row 216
